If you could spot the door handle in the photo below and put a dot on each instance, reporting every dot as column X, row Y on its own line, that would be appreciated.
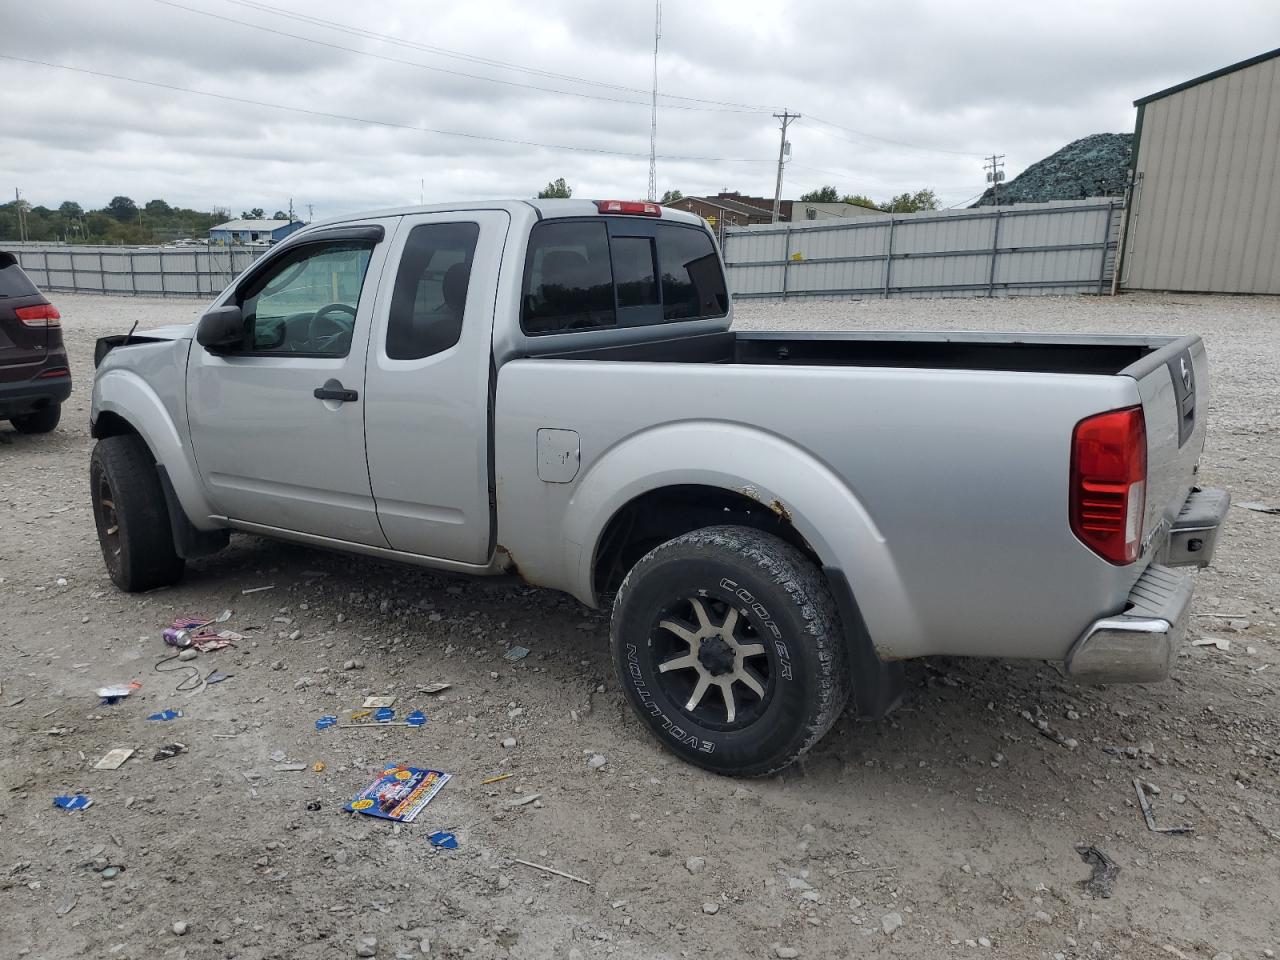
column 334, row 390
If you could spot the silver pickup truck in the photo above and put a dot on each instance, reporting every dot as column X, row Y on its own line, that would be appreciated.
column 553, row 388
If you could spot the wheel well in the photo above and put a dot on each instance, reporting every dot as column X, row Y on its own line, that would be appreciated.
column 111, row 424
column 661, row 515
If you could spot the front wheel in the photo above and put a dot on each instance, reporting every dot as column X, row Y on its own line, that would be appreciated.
column 130, row 514
column 727, row 644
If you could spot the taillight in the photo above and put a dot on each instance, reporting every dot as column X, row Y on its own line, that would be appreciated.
column 41, row 315
column 53, row 372
column 1109, row 483
column 637, row 208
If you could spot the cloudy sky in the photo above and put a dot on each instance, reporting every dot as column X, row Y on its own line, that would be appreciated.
column 350, row 106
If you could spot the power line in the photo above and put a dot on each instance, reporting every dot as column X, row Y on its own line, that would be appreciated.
column 872, row 136
column 379, row 123
column 424, row 66
column 349, row 29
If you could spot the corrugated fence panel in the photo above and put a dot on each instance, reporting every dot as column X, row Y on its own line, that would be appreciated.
column 1061, row 247
column 145, row 271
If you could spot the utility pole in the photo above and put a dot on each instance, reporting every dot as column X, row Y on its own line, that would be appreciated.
column 653, row 114
column 311, row 213
column 784, row 150
column 995, row 174
column 22, row 218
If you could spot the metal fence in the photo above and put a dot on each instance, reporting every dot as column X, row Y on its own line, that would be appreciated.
column 140, row 271
column 1050, row 248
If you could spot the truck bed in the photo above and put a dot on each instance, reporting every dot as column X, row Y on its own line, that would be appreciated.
column 1104, row 355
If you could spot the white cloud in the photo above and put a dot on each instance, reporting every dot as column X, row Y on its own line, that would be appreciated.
column 933, row 74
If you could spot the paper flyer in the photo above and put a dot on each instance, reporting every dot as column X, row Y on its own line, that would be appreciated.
column 399, row 794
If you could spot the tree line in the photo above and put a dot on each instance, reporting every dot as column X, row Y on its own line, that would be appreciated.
column 121, row 221
column 903, row 203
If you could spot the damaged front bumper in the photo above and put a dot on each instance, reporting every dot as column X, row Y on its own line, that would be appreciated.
column 1140, row 644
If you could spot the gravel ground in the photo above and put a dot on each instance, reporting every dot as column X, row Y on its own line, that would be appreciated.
column 947, row 830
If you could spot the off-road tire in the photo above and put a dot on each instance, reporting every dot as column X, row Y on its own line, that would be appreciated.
column 41, row 421
column 130, row 514
column 783, row 597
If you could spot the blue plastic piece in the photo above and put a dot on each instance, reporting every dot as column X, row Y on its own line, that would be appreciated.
column 384, row 715
column 444, row 840
column 166, row 715
column 415, row 719
column 325, row 722
column 77, row 802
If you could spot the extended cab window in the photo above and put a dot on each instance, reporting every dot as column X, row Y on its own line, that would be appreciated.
column 568, row 283
column 306, row 302
column 431, row 290
column 584, row 274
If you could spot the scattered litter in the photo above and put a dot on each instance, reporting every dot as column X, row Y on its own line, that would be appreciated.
column 438, row 686
column 1101, row 882
column 384, row 715
column 114, row 694
column 77, row 802
column 525, row 800
column 65, row 907
column 516, row 653
column 318, row 766
column 416, row 719
column 313, row 805
column 169, row 751
column 249, row 590
column 166, row 715
column 400, row 794
column 501, row 776
column 217, row 677
column 1219, row 642
column 558, row 873
column 1150, row 816
column 291, row 767
column 326, row 722
column 371, row 703
column 1257, row 507
column 361, row 715
column 113, row 759
column 444, row 840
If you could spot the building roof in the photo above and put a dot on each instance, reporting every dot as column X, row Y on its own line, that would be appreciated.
column 260, row 225
column 1222, row 72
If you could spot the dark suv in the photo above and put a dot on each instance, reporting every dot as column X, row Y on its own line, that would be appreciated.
column 34, row 377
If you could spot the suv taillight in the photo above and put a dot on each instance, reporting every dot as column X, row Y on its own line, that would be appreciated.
column 1109, row 483
column 41, row 315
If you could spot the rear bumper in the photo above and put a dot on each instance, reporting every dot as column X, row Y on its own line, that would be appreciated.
column 28, row 395
column 1140, row 644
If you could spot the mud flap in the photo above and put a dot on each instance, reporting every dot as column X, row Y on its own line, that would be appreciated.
column 878, row 686
column 188, row 542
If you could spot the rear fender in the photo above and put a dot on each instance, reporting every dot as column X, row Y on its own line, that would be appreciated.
column 802, row 490
column 126, row 395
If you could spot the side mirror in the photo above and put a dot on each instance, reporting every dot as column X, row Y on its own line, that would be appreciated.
column 221, row 330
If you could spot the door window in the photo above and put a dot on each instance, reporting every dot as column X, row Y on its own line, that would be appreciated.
column 431, row 290
column 568, row 282
column 306, row 302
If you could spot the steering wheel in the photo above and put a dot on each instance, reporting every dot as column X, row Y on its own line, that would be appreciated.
column 337, row 327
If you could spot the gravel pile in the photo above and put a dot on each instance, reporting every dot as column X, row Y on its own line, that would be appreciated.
column 1093, row 166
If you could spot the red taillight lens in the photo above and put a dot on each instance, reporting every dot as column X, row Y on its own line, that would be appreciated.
column 41, row 315
column 637, row 208
column 53, row 372
column 1109, row 483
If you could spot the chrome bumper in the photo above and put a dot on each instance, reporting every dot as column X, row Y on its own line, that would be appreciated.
column 1139, row 645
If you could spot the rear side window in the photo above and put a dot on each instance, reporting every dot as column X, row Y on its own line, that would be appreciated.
column 13, row 282
column 586, row 274
column 568, row 283
column 431, row 290
column 692, row 281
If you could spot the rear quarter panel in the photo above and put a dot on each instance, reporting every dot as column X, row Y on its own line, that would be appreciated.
column 942, row 494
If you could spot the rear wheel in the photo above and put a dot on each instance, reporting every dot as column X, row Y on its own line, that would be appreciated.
column 42, row 421
column 728, row 646
column 130, row 514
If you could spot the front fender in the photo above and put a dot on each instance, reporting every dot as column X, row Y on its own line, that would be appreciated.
column 819, row 504
column 127, row 395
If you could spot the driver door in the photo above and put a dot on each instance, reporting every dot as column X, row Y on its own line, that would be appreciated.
column 271, row 451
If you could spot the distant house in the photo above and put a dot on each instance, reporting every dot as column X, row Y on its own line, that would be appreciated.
column 731, row 209
column 237, row 232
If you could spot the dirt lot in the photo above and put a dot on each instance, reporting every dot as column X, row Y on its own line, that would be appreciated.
column 954, row 818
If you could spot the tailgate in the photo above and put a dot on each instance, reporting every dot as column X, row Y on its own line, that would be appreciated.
column 1173, row 383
